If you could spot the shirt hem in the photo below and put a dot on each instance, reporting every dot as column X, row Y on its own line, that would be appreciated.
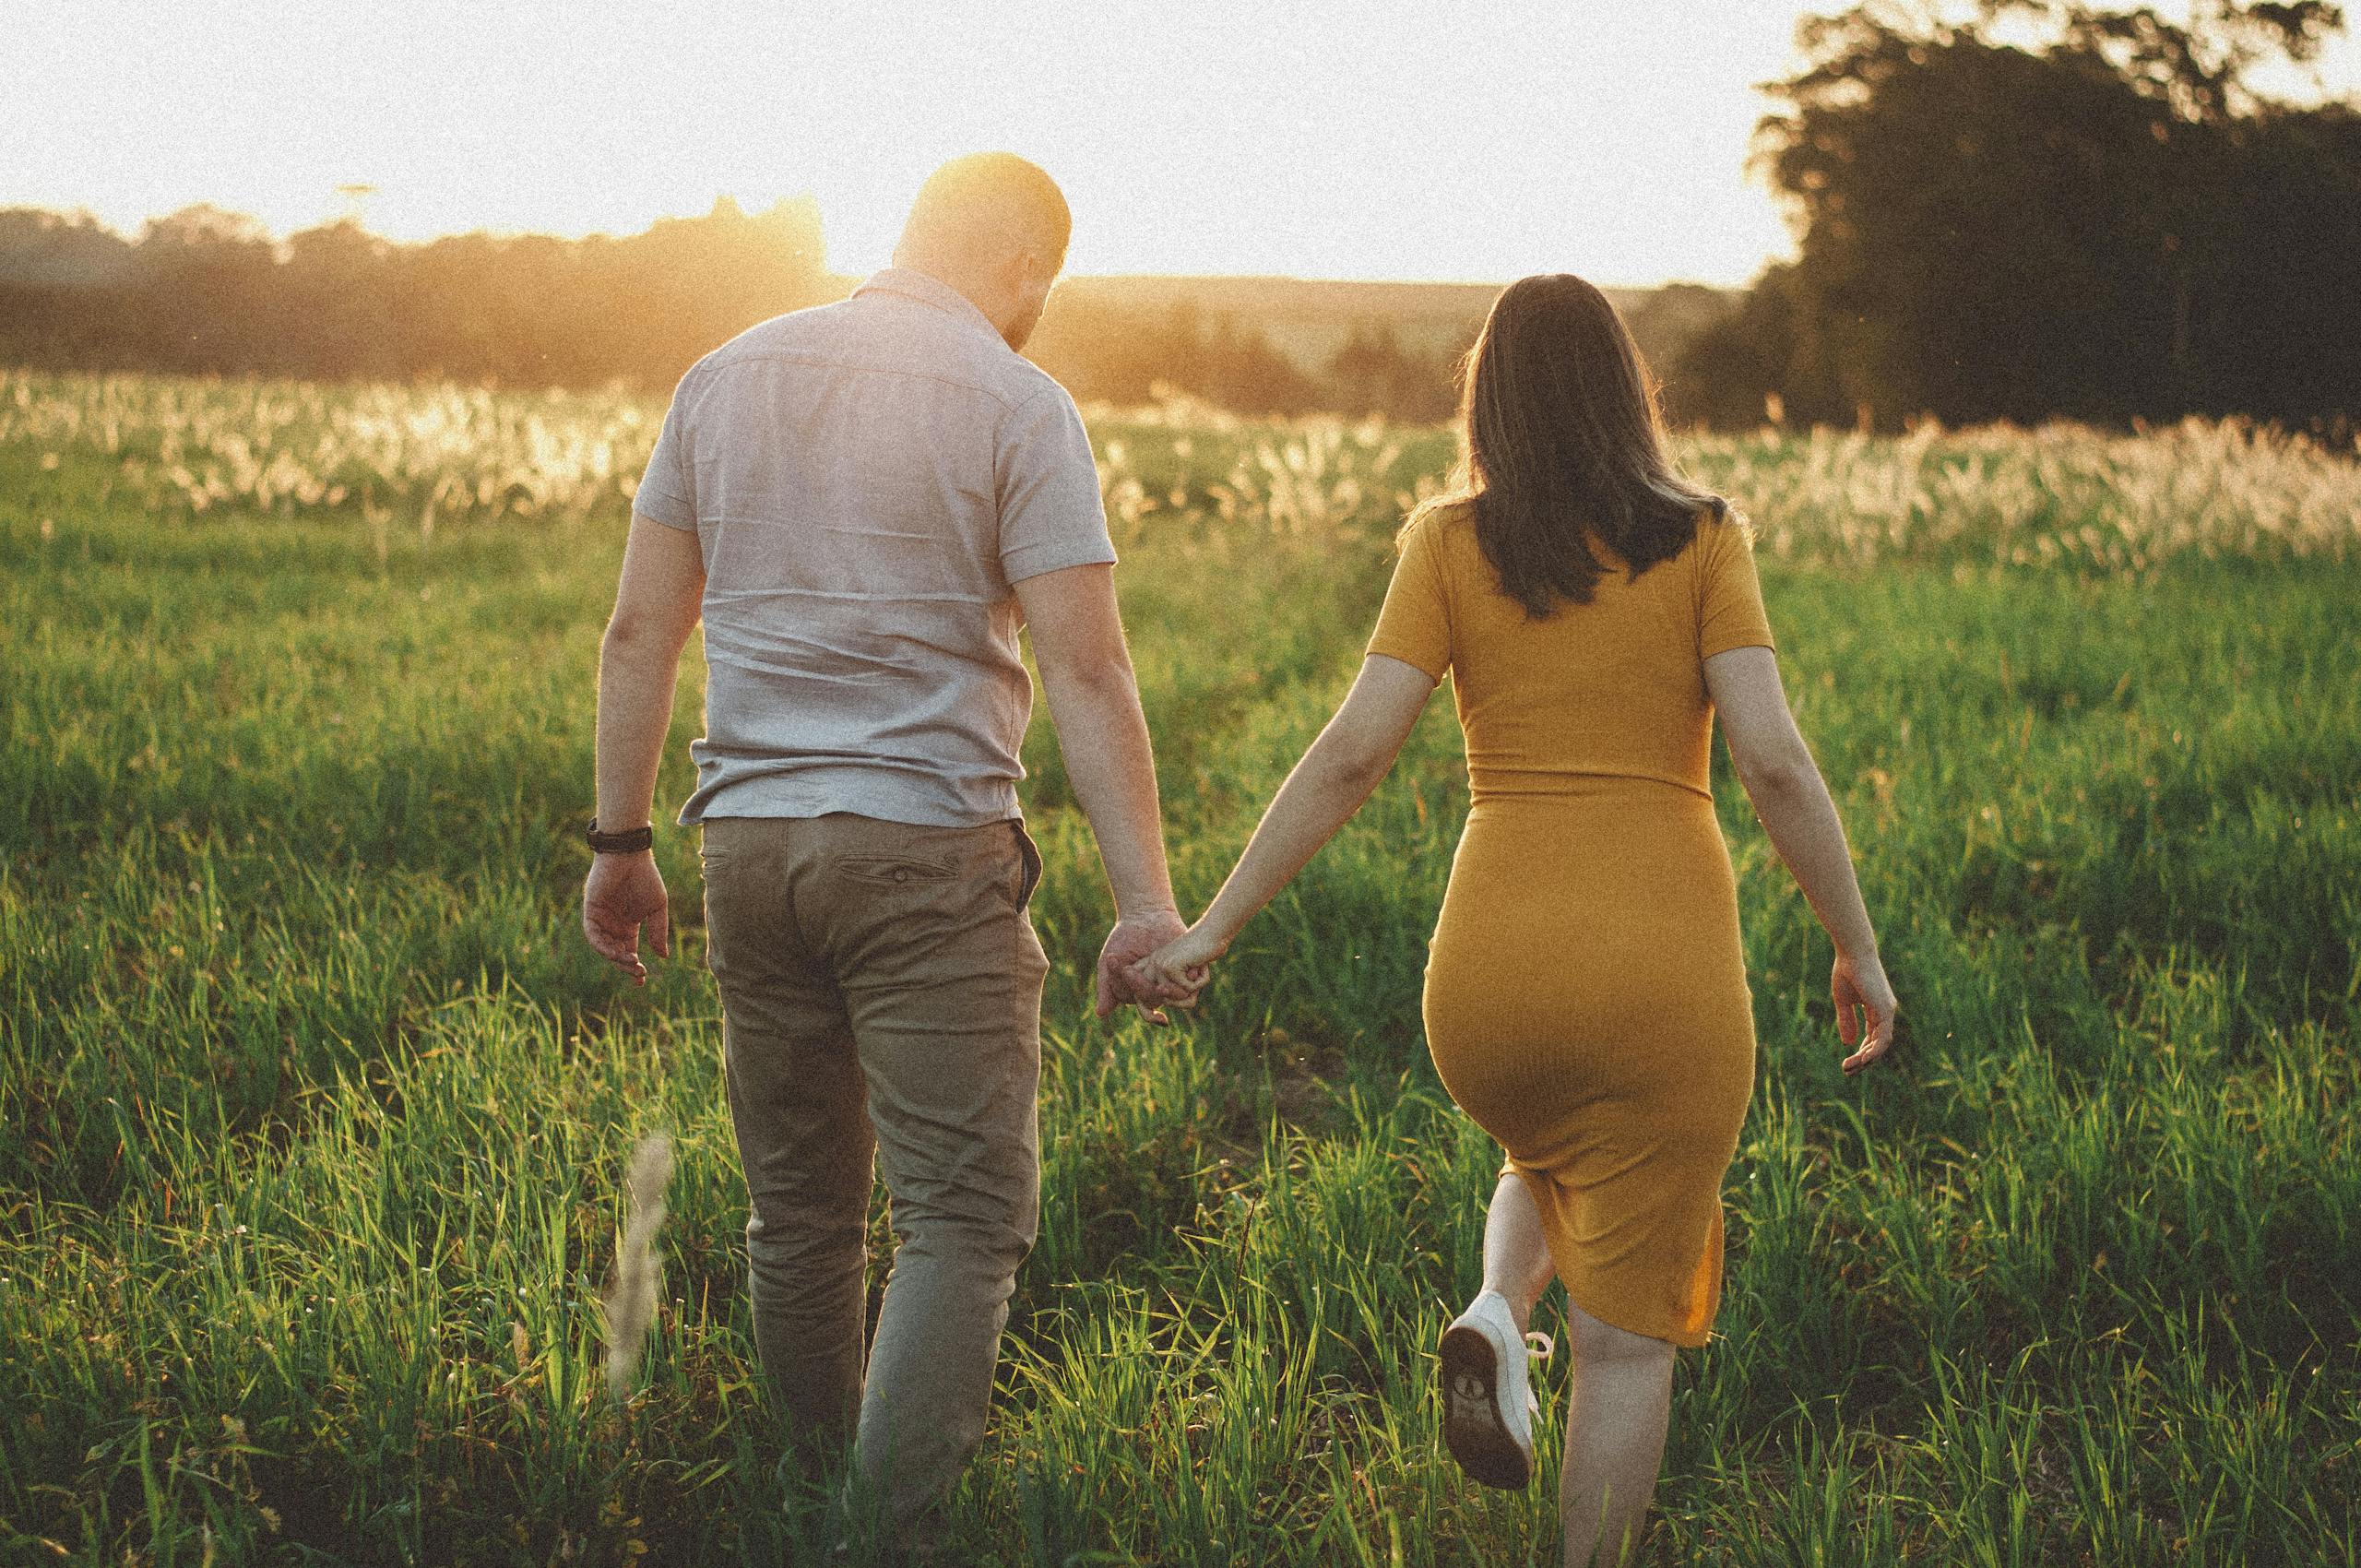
column 674, row 511
column 1421, row 665
column 696, row 812
column 1018, row 567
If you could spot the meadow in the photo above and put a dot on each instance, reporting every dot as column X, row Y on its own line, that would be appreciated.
column 314, row 1110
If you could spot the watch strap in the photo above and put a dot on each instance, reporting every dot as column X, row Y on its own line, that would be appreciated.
column 628, row 843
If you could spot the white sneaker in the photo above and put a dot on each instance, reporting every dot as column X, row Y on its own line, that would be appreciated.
column 1488, row 1402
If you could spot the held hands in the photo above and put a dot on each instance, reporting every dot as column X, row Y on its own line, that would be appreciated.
column 625, row 894
column 1861, row 990
column 1178, row 969
column 1135, row 936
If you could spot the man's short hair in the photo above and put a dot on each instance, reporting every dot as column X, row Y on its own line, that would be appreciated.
column 989, row 194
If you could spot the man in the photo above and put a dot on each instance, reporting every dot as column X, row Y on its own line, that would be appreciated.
column 866, row 501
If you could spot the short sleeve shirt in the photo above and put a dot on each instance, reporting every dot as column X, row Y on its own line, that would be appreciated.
column 867, row 481
column 1615, row 687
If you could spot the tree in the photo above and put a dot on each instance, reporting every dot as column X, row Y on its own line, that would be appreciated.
column 1372, row 373
column 2103, row 221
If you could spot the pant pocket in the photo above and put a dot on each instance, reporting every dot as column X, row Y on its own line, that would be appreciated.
column 1030, row 854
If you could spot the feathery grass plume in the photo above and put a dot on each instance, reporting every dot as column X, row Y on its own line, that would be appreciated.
column 631, row 1300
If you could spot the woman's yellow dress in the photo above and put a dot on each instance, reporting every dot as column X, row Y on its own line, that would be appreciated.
column 1586, row 998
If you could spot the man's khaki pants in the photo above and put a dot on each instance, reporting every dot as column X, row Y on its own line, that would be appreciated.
column 881, row 990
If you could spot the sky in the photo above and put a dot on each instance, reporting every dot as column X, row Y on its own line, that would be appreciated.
column 1448, row 142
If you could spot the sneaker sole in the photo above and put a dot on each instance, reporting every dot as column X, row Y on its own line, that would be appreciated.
column 1473, row 1426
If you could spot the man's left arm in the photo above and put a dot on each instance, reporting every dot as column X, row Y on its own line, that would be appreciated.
column 655, row 608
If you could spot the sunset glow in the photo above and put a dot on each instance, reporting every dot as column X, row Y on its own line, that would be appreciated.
column 1322, row 140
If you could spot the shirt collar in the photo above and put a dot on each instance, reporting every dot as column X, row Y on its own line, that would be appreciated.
column 927, row 289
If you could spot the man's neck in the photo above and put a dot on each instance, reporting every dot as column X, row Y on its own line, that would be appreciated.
column 959, row 279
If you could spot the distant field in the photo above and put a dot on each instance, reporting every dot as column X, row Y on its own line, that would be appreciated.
column 1308, row 319
column 313, row 1109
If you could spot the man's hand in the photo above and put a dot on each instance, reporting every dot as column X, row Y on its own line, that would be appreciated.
column 1134, row 938
column 1087, row 674
column 625, row 894
column 1178, row 971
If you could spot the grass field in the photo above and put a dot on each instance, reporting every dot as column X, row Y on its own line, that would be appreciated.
column 314, row 1110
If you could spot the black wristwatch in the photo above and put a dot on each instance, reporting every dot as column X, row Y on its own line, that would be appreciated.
column 630, row 843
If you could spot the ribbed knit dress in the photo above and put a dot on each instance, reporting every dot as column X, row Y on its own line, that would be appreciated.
column 1586, row 993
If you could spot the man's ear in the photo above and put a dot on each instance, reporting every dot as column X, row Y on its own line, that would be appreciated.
column 1032, row 273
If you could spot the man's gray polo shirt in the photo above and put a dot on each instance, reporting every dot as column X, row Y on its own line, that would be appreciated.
column 866, row 481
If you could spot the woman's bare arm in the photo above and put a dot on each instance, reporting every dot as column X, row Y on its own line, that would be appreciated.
column 1345, row 764
column 1792, row 799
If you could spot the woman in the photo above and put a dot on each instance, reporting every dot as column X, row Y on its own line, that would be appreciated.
column 1585, row 997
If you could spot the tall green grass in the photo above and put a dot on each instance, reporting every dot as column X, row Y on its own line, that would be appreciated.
column 315, row 1111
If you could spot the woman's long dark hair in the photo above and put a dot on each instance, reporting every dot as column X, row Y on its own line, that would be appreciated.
column 1562, row 446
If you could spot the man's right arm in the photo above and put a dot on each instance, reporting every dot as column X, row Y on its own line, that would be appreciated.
column 1095, row 703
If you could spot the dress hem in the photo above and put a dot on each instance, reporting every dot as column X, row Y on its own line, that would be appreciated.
column 1679, row 1339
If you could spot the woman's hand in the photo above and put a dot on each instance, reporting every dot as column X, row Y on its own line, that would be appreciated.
column 1178, row 970
column 1861, row 992
column 1134, row 936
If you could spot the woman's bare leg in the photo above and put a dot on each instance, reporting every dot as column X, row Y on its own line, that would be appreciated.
column 1516, row 1254
column 1616, row 1416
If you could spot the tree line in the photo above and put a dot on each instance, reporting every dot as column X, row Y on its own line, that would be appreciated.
column 205, row 290
column 2032, row 210
column 208, row 291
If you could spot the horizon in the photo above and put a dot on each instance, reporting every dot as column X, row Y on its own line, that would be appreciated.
column 1326, row 144
column 279, row 237
column 1321, row 143
column 829, row 271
